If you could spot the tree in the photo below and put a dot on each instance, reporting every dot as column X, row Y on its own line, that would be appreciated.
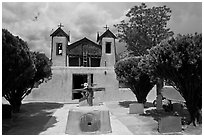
column 179, row 60
column 21, row 69
column 43, row 68
column 125, row 54
column 127, row 71
column 145, row 28
column 17, row 67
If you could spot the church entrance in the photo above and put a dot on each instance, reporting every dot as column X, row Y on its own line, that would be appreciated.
column 78, row 83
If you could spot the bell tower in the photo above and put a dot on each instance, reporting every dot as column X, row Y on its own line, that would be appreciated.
column 59, row 42
column 107, row 42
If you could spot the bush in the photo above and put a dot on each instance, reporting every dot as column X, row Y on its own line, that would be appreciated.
column 21, row 69
column 128, row 72
column 179, row 60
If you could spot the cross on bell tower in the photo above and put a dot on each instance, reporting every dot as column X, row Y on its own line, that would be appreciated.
column 106, row 27
column 59, row 42
column 60, row 25
column 107, row 42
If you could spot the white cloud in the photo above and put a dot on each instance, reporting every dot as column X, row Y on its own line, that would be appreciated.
column 34, row 22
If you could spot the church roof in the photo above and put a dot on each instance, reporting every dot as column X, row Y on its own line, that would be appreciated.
column 82, row 41
column 60, row 32
column 108, row 34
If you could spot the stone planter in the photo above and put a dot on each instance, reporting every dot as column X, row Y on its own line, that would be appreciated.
column 169, row 124
column 88, row 120
column 136, row 108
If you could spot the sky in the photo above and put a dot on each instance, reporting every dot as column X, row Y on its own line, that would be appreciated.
column 35, row 21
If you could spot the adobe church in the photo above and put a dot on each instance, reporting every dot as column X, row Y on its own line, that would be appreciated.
column 83, row 61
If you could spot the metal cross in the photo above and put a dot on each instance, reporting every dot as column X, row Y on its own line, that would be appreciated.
column 106, row 27
column 60, row 25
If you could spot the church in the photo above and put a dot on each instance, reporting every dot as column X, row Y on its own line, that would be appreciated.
column 83, row 61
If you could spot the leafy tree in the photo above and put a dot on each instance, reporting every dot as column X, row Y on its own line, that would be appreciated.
column 125, row 54
column 127, row 71
column 43, row 68
column 17, row 67
column 21, row 69
column 179, row 60
column 144, row 28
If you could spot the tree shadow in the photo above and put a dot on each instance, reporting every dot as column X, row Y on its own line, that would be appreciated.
column 158, row 114
column 127, row 103
column 32, row 119
column 148, row 105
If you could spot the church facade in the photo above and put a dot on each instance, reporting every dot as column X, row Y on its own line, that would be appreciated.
column 83, row 61
column 84, row 52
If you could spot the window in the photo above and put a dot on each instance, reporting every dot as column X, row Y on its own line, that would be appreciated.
column 78, row 61
column 95, row 62
column 74, row 61
column 59, row 49
column 108, row 47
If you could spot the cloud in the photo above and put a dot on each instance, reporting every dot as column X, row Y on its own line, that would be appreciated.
column 35, row 33
column 186, row 17
column 20, row 11
column 34, row 22
column 87, row 19
column 38, row 44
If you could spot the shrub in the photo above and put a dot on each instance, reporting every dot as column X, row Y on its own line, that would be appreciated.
column 179, row 60
column 128, row 72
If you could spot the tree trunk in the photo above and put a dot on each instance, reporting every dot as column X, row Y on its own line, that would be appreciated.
column 159, row 86
column 195, row 114
column 199, row 117
column 141, row 88
column 16, row 104
column 140, row 93
column 194, row 105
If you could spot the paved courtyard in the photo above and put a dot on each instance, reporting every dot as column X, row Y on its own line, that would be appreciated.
column 43, row 118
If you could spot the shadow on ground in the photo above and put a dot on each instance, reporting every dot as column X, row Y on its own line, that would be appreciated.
column 31, row 120
column 127, row 103
column 157, row 114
